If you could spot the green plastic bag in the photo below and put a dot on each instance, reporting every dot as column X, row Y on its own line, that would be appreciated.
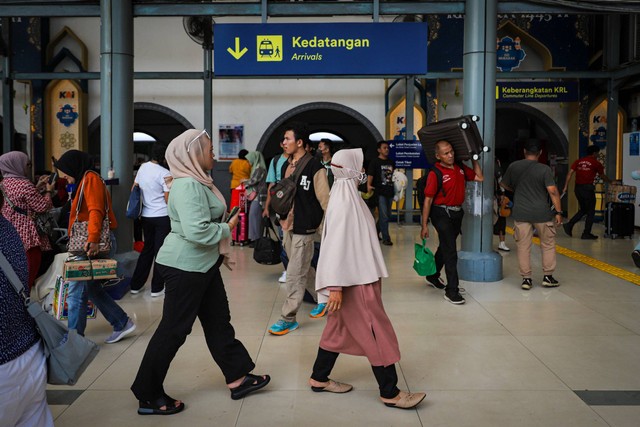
column 424, row 263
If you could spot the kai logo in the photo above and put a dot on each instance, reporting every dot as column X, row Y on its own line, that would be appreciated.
column 269, row 48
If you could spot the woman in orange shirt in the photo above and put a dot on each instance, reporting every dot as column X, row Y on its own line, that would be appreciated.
column 77, row 168
column 240, row 169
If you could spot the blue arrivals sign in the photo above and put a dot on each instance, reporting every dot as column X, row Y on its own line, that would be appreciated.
column 320, row 49
column 407, row 154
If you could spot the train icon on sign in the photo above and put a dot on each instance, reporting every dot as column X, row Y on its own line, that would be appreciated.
column 269, row 48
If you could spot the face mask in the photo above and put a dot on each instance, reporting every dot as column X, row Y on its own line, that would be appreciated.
column 360, row 176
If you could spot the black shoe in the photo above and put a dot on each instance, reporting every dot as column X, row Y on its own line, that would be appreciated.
column 636, row 258
column 387, row 242
column 588, row 236
column 549, row 282
column 436, row 282
column 568, row 229
column 454, row 299
column 526, row 283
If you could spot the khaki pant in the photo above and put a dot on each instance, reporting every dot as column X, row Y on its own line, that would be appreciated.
column 523, row 234
column 300, row 274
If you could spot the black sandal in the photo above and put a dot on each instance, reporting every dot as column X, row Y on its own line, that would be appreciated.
column 153, row 407
column 249, row 384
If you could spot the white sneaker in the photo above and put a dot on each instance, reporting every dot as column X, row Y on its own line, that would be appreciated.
column 157, row 294
column 283, row 277
column 503, row 247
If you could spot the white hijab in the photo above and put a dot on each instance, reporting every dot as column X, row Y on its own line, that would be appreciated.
column 350, row 253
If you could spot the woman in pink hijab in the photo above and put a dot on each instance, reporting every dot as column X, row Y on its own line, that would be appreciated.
column 22, row 201
column 357, row 323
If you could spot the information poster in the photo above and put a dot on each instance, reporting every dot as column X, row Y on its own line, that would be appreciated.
column 231, row 139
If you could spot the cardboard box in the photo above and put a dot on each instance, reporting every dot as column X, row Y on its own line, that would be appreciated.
column 621, row 194
column 60, row 307
column 95, row 269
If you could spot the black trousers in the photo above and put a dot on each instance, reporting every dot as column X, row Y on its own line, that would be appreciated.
column 448, row 225
column 386, row 376
column 190, row 295
column 155, row 230
column 586, row 195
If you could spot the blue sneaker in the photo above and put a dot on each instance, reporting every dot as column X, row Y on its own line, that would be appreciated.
column 282, row 327
column 319, row 311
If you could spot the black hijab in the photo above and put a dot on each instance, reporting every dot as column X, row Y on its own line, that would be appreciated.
column 74, row 163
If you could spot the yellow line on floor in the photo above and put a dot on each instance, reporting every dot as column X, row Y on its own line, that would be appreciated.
column 592, row 262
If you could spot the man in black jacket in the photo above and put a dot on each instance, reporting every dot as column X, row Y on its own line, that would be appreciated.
column 301, row 226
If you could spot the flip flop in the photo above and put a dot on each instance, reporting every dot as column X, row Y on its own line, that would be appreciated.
column 153, row 407
column 249, row 384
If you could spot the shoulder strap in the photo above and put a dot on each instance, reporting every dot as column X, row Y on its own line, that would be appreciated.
column 302, row 163
column 515, row 182
column 81, row 191
column 438, row 173
column 11, row 204
column 8, row 271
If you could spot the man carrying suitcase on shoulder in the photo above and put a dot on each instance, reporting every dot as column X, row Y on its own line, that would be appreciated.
column 532, row 183
column 443, row 200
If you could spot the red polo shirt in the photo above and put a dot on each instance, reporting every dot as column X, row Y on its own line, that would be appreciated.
column 453, row 184
column 586, row 169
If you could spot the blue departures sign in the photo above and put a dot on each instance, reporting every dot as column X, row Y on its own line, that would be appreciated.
column 319, row 49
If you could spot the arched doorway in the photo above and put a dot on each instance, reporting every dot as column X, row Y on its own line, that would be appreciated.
column 517, row 123
column 161, row 123
column 352, row 127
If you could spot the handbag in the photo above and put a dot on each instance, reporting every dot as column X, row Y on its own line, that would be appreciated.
column 80, row 229
column 505, row 207
column 68, row 354
column 43, row 221
column 424, row 263
column 267, row 249
column 134, row 205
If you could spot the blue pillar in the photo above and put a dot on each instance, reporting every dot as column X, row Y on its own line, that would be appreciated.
column 478, row 261
column 116, row 104
column 7, row 89
column 410, row 101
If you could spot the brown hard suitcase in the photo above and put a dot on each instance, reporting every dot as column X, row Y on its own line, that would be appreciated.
column 461, row 132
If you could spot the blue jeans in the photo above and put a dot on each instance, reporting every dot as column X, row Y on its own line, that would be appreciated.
column 384, row 213
column 80, row 292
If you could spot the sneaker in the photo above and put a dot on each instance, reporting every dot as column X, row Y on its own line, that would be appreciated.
column 387, row 242
column 435, row 282
column 282, row 327
column 283, row 277
column 636, row 258
column 503, row 247
column 454, row 299
column 157, row 294
column 319, row 311
column 527, row 283
column 118, row 335
column 568, row 229
column 588, row 236
column 136, row 291
column 549, row 282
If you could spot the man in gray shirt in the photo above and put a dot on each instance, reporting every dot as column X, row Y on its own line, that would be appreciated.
column 532, row 184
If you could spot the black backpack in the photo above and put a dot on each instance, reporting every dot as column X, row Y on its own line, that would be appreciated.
column 421, row 184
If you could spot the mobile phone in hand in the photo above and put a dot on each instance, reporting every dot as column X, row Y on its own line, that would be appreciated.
column 233, row 212
column 53, row 178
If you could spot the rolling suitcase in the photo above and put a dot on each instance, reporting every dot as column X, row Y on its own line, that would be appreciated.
column 619, row 220
column 240, row 234
column 461, row 132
